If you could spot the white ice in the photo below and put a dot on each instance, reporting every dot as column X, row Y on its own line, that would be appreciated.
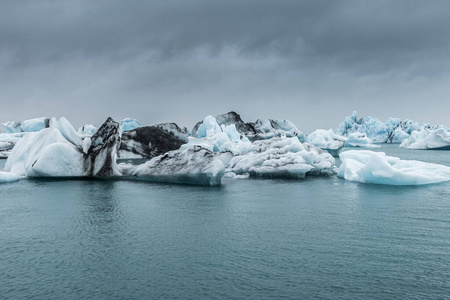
column 54, row 151
column 219, row 138
column 428, row 139
column 326, row 139
column 393, row 130
column 376, row 167
column 282, row 157
column 8, row 177
column 31, row 125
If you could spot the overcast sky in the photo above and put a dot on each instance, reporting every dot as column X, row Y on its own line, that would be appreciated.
column 312, row 62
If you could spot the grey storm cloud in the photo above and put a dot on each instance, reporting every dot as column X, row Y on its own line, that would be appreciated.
column 312, row 62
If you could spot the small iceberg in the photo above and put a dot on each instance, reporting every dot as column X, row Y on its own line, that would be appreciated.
column 376, row 167
column 437, row 139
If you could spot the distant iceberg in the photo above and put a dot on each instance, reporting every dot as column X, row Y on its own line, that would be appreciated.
column 393, row 130
column 437, row 139
column 262, row 129
column 376, row 167
column 129, row 124
column 31, row 125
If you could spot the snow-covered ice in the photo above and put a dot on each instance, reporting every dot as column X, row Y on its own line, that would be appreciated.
column 376, row 167
column 50, row 152
column 282, row 157
column 438, row 139
column 87, row 130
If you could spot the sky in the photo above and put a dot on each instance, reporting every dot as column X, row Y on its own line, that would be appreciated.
column 311, row 62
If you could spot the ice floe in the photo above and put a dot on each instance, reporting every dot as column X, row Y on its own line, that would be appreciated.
column 376, row 167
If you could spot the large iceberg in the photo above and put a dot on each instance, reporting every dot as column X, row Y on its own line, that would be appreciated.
column 54, row 151
column 260, row 130
column 151, row 141
column 31, row 125
column 393, row 130
column 437, row 139
column 376, row 167
column 282, row 158
column 129, row 124
column 58, row 151
column 193, row 165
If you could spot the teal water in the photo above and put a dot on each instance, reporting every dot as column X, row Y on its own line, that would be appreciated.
column 323, row 238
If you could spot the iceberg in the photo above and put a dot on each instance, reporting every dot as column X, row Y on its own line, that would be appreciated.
column 393, row 130
column 327, row 140
column 151, row 141
column 437, row 139
column 58, row 151
column 53, row 151
column 129, row 124
column 194, row 165
column 262, row 129
column 31, row 125
column 100, row 158
column 282, row 157
column 376, row 167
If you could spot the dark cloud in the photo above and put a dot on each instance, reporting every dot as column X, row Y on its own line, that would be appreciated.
column 310, row 61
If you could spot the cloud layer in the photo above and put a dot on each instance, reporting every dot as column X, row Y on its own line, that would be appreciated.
column 312, row 62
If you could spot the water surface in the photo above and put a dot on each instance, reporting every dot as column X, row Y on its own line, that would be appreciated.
column 320, row 237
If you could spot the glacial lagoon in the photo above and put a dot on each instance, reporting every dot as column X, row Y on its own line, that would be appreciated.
column 321, row 237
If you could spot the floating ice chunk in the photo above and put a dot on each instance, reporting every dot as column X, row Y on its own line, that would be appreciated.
column 8, row 177
column 357, row 139
column 376, row 167
column 129, row 124
column 235, row 176
column 195, row 165
column 282, row 157
column 438, row 139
